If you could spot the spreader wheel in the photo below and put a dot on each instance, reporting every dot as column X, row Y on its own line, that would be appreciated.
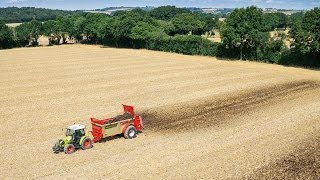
column 86, row 143
column 69, row 149
column 131, row 132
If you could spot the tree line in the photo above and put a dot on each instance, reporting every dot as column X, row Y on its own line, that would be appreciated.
column 245, row 33
column 26, row 14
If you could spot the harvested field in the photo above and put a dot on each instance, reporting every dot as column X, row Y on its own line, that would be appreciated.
column 204, row 118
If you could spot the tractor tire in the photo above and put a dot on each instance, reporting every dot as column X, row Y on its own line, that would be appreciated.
column 131, row 132
column 69, row 149
column 86, row 143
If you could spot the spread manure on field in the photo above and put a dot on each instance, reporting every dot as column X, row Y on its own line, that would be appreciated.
column 216, row 112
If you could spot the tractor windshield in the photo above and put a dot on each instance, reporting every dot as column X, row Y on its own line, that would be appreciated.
column 69, row 132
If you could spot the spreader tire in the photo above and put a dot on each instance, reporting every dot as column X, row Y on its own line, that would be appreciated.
column 69, row 149
column 86, row 143
column 131, row 132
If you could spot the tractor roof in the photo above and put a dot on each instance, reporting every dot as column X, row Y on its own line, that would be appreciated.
column 76, row 127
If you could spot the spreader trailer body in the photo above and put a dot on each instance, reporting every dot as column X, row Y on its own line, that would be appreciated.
column 127, row 124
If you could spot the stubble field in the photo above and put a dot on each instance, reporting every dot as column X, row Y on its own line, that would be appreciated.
column 204, row 118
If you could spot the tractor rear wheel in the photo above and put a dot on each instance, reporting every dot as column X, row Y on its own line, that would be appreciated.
column 86, row 143
column 131, row 132
column 69, row 149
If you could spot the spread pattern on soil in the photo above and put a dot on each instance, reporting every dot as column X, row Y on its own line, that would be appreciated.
column 191, row 115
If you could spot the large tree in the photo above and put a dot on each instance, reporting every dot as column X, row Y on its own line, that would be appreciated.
column 186, row 23
column 52, row 29
column 23, row 34
column 167, row 12
column 6, row 36
column 271, row 21
column 30, row 31
column 66, row 24
column 243, row 32
column 125, row 28
column 91, row 26
column 35, row 31
column 306, row 35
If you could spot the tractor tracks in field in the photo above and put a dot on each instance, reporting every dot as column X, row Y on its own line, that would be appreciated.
column 216, row 111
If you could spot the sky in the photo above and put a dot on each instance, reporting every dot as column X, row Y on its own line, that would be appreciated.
column 97, row 4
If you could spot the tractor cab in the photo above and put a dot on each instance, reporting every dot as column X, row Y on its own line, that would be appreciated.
column 75, row 131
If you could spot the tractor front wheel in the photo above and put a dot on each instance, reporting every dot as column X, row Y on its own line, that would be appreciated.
column 131, row 132
column 69, row 149
column 86, row 143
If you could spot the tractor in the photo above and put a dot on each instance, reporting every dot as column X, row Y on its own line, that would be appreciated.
column 75, row 139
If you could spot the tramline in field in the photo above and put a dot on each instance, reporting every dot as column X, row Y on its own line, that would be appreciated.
column 127, row 124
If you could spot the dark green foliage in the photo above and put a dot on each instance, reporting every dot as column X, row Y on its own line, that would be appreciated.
column 25, row 14
column 167, row 12
column 23, row 34
column 77, row 26
column 209, row 19
column 294, row 18
column 272, row 21
column 35, row 32
column 243, row 33
column 6, row 36
column 52, row 29
column 306, row 44
column 136, row 29
column 65, row 23
column 29, row 33
column 128, row 30
column 272, row 51
column 283, row 20
column 184, row 44
column 91, row 26
column 187, row 23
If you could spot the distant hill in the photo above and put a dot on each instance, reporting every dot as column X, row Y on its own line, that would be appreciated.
column 24, row 14
column 112, row 10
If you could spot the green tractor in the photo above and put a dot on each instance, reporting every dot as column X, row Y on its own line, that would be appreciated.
column 75, row 139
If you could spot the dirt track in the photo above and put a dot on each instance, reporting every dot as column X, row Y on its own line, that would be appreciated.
column 204, row 118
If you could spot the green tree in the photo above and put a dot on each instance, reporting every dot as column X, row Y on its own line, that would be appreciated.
column 121, row 28
column 210, row 21
column 142, row 31
column 243, row 33
column 23, row 34
column 306, row 35
column 295, row 18
column 273, row 49
column 186, row 23
column 270, row 21
column 91, row 26
column 6, row 36
column 52, row 29
column 283, row 20
column 77, row 29
column 35, row 32
column 65, row 23
column 167, row 12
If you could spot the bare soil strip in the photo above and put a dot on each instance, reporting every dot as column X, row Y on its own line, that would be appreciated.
column 216, row 111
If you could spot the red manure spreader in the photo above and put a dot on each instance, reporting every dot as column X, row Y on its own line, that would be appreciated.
column 127, row 124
